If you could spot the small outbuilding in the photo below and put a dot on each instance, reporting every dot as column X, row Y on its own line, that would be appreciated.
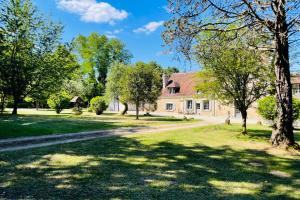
column 77, row 101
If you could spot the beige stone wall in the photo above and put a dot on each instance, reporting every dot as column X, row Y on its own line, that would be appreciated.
column 215, row 108
column 178, row 105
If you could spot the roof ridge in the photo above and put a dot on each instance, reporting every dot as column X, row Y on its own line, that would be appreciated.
column 185, row 73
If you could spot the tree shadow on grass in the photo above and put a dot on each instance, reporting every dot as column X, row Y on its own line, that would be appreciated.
column 125, row 168
column 11, row 127
column 259, row 134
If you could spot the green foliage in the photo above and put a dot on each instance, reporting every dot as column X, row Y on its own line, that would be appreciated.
column 267, row 108
column 232, row 72
column 116, row 83
column 28, row 99
column 98, row 53
column 59, row 101
column 142, row 84
column 34, row 63
column 170, row 70
column 296, row 108
column 98, row 105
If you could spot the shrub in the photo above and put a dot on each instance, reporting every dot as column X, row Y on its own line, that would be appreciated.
column 90, row 109
column 98, row 105
column 59, row 101
column 267, row 108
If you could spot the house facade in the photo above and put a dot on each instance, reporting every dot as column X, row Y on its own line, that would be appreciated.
column 179, row 96
column 295, row 79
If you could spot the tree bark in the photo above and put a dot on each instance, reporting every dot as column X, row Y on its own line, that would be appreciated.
column 2, row 104
column 37, row 105
column 137, row 111
column 244, row 124
column 125, row 109
column 283, row 133
column 15, row 107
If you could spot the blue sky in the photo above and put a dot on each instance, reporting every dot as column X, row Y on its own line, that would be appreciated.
column 138, row 23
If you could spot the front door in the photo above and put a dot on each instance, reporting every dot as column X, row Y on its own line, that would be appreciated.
column 198, row 108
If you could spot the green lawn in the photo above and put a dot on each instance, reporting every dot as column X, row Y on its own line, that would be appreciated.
column 214, row 162
column 33, row 123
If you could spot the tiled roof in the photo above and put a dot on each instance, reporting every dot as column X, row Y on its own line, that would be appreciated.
column 76, row 99
column 186, row 82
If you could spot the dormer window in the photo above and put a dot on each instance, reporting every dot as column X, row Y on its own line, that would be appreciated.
column 173, row 87
column 172, row 91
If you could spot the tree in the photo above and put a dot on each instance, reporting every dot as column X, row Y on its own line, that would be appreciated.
column 116, row 83
column 33, row 58
column 3, row 92
column 170, row 70
column 59, row 101
column 98, row 105
column 276, row 20
column 98, row 53
column 142, row 84
column 55, row 68
column 267, row 108
column 232, row 72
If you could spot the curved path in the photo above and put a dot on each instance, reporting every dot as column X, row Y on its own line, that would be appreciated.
column 49, row 140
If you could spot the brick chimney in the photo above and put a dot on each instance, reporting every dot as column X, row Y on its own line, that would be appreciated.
column 165, row 80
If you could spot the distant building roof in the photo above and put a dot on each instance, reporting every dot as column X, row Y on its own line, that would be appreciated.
column 76, row 99
column 184, row 81
column 295, row 78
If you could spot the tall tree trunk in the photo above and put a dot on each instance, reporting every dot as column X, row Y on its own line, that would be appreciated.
column 244, row 123
column 137, row 110
column 283, row 132
column 37, row 105
column 15, row 107
column 125, row 108
column 2, row 104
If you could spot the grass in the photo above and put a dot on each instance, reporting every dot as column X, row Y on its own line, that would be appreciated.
column 214, row 162
column 44, row 122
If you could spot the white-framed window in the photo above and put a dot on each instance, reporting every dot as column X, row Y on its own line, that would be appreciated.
column 198, row 106
column 189, row 104
column 169, row 107
column 206, row 105
column 296, row 88
column 172, row 90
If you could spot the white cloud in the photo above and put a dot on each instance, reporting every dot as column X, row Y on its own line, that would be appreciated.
column 114, row 33
column 167, row 9
column 92, row 11
column 149, row 28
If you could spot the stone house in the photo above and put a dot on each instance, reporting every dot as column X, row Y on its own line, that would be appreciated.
column 179, row 96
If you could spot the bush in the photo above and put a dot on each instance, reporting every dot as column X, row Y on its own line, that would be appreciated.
column 98, row 105
column 59, row 101
column 267, row 108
